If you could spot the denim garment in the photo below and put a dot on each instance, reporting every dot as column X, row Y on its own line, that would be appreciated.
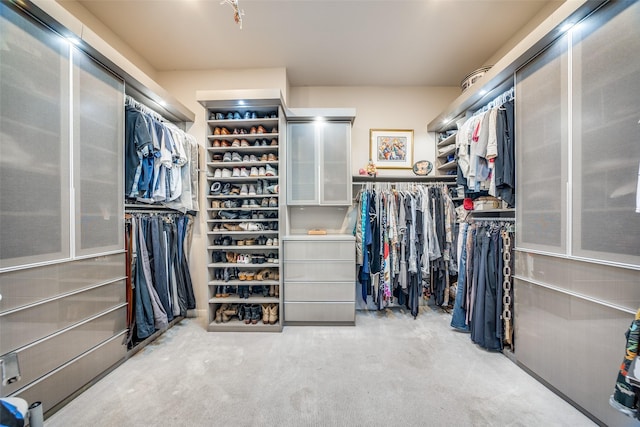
column 458, row 319
column 137, row 143
column 491, row 312
column 159, row 315
column 143, row 310
column 183, row 227
column 159, row 258
column 481, row 250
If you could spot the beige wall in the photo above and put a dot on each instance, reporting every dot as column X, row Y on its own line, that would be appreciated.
column 376, row 107
column 382, row 108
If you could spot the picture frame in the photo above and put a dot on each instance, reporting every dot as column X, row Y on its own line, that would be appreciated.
column 391, row 148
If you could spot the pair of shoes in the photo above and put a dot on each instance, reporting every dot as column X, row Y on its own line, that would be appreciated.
column 273, row 189
column 252, row 313
column 216, row 188
column 267, row 274
column 221, row 131
column 269, row 314
column 272, row 241
column 251, row 226
column 244, row 259
column 228, row 214
column 225, row 312
column 222, row 291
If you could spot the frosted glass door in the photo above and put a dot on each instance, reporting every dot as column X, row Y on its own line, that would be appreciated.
column 34, row 142
column 336, row 164
column 98, row 144
column 302, row 185
column 606, row 134
column 541, row 150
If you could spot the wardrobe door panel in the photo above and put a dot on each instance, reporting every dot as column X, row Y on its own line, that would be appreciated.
column 98, row 135
column 336, row 164
column 302, row 164
column 541, row 151
column 606, row 134
column 34, row 142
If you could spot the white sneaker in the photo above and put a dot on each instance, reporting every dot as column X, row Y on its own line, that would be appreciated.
column 262, row 171
column 271, row 171
column 236, row 172
column 275, row 241
column 244, row 190
column 217, row 173
column 244, row 172
column 252, row 190
column 226, row 173
column 254, row 171
column 251, row 226
column 269, row 241
column 253, row 158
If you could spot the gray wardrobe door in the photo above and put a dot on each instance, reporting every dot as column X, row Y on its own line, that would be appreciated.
column 606, row 135
column 98, row 136
column 34, row 142
column 541, row 150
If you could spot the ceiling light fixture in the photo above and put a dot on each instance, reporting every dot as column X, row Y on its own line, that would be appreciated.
column 566, row 27
column 237, row 13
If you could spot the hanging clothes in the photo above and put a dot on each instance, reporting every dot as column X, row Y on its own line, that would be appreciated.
column 401, row 243
column 485, row 151
column 160, row 283
column 161, row 161
column 479, row 305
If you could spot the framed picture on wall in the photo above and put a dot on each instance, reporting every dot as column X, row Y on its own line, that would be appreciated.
column 391, row 148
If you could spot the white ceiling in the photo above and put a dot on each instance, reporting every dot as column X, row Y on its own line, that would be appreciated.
column 322, row 42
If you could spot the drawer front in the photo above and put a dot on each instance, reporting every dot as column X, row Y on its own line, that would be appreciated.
column 319, row 291
column 320, row 250
column 319, row 312
column 320, row 271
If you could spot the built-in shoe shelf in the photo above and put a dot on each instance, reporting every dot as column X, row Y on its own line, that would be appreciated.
column 243, row 215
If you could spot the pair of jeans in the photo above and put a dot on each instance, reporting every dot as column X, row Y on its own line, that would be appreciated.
column 459, row 317
column 160, row 265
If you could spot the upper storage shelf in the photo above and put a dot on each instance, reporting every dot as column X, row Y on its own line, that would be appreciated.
column 499, row 77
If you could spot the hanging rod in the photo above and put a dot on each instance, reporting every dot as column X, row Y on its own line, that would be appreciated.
column 501, row 99
column 129, row 101
column 133, row 208
column 493, row 219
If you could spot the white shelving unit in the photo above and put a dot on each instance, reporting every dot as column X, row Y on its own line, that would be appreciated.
column 238, row 203
column 445, row 147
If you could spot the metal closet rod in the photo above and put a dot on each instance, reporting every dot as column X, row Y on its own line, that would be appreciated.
column 501, row 99
column 476, row 220
column 129, row 101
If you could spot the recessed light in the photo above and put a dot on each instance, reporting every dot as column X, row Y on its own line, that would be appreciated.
column 566, row 27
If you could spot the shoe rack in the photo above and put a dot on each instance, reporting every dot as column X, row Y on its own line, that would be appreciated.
column 243, row 216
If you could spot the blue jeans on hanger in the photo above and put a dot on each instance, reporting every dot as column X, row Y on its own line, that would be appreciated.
column 458, row 320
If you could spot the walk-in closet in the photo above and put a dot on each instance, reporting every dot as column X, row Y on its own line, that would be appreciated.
column 255, row 212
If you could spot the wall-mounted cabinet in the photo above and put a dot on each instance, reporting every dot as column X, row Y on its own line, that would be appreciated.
column 319, row 163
